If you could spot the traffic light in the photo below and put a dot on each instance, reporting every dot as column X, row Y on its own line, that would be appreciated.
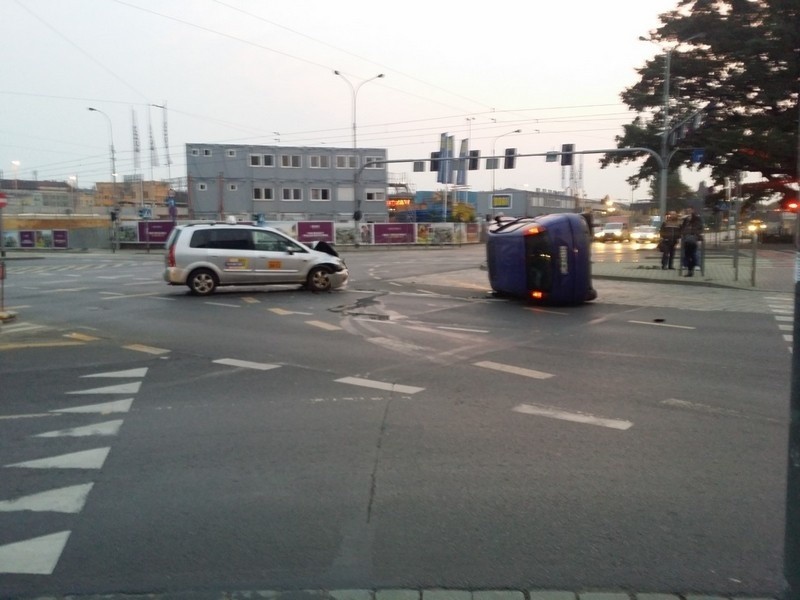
column 789, row 205
column 474, row 160
column 566, row 156
column 510, row 159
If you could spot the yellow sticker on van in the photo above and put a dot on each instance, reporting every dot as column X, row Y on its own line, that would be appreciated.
column 274, row 264
column 236, row 264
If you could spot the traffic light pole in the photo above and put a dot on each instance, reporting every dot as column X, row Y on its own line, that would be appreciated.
column 791, row 556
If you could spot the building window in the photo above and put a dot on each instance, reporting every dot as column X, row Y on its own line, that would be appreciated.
column 291, row 161
column 292, row 194
column 367, row 159
column 319, row 161
column 202, row 187
column 232, row 187
column 376, row 196
column 195, row 152
column 207, row 152
column 262, row 193
column 320, row 194
column 231, row 153
column 345, row 161
column 262, row 160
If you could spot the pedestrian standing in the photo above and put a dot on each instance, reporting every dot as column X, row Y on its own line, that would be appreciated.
column 691, row 236
column 670, row 234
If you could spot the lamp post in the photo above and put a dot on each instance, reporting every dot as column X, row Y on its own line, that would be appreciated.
column 113, row 155
column 664, row 153
column 494, row 154
column 356, row 196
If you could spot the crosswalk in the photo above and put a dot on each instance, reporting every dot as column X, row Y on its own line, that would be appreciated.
column 782, row 308
column 39, row 555
column 36, row 267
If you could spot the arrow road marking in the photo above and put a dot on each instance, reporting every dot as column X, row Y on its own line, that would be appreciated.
column 36, row 556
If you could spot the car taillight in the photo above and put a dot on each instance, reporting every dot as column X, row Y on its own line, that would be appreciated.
column 171, row 256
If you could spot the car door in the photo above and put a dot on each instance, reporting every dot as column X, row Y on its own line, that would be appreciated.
column 279, row 259
column 230, row 250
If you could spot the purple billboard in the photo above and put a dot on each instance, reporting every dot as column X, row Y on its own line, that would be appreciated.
column 314, row 231
column 393, row 233
column 155, row 232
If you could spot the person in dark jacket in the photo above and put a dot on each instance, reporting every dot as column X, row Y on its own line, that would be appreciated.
column 670, row 233
column 691, row 236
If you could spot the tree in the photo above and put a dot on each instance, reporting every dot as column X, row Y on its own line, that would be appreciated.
column 679, row 195
column 738, row 63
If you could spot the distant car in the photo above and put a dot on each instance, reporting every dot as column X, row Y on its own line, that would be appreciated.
column 645, row 234
column 613, row 232
column 205, row 256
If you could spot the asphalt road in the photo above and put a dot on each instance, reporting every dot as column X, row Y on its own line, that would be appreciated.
column 407, row 432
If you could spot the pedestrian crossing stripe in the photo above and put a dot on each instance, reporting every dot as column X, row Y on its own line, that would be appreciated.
column 70, row 499
column 107, row 428
column 123, row 388
column 86, row 459
column 36, row 556
column 128, row 373
column 104, row 408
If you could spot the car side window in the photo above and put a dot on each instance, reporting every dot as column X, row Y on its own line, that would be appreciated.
column 231, row 239
column 268, row 241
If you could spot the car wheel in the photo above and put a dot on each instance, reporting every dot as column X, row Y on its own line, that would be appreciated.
column 202, row 282
column 319, row 279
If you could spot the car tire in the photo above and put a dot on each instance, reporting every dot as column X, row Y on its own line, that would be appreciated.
column 319, row 279
column 202, row 282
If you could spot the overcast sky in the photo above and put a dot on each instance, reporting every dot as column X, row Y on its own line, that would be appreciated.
column 261, row 72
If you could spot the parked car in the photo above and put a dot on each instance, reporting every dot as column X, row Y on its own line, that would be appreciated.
column 645, row 234
column 205, row 256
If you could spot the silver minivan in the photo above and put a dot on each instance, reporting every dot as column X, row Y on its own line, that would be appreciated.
column 205, row 256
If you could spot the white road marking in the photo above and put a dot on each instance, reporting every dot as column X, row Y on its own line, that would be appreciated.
column 324, row 325
column 36, row 556
column 81, row 337
column 123, row 388
column 23, row 326
column 131, row 296
column 245, row 364
column 661, row 324
column 225, row 304
column 63, row 500
column 787, row 337
column 146, row 349
column 786, row 327
column 28, row 416
column 283, row 311
column 713, row 410
column 782, row 318
column 486, row 364
column 86, row 459
column 380, row 385
column 107, row 428
column 573, row 417
column 141, row 372
column 104, row 408
column 396, row 345
column 465, row 329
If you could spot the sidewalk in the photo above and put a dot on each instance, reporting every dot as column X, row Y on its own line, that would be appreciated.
column 774, row 269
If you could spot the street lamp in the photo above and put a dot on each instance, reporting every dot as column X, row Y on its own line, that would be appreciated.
column 494, row 154
column 664, row 153
column 113, row 156
column 357, row 197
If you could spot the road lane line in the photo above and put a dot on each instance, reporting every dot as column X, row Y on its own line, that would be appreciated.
column 245, row 364
column 324, row 325
column 584, row 418
column 465, row 329
column 487, row 364
column 380, row 385
column 146, row 349
column 36, row 556
column 661, row 324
